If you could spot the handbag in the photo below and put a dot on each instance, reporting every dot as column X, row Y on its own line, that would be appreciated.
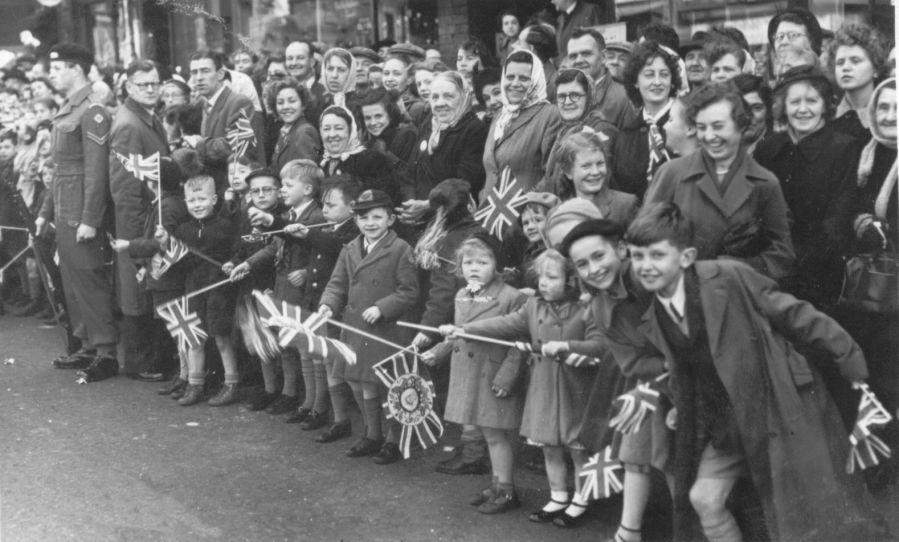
column 871, row 283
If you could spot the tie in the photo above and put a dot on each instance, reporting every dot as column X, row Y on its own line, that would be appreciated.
column 292, row 217
column 678, row 317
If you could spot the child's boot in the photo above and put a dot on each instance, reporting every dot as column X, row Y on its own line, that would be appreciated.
column 193, row 394
column 225, row 396
column 504, row 500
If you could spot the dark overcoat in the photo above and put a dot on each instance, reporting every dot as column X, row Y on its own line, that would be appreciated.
column 301, row 141
column 214, row 148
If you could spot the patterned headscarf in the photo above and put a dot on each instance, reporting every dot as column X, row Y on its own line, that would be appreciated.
column 437, row 127
column 535, row 94
column 352, row 145
column 350, row 84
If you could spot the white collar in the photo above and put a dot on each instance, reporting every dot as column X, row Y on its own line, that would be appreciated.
column 570, row 9
column 678, row 300
column 654, row 119
column 370, row 244
column 210, row 102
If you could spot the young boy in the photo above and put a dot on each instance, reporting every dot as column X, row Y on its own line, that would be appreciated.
column 325, row 245
column 213, row 236
column 600, row 258
column 11, row 242
column 237, row 196
column 374, row 284
column 537, row 206
column 748, row 405
column 300, row 185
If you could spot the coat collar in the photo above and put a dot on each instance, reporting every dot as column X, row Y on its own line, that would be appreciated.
column 471, row 307
column 75, row 100
column 381, row 250
column 523, row 118
column 738, row 191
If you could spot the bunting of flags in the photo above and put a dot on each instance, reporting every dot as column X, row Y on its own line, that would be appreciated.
column 144, row 168
column 241, row 135
column 183, row 325
column 867, row 447
column 500, row 208
column 410, row 401
column 601, row 478
column 177, row 250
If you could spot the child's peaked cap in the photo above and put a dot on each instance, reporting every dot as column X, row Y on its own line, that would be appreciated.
column 372, row 199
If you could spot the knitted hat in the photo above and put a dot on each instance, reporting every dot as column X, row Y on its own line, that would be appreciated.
column 808, row 20
column 566, row 216
column 450, row 193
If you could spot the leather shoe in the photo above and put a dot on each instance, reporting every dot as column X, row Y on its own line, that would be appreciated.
column 147, row 376
column 503, row 501
column 101, row 368
column 282, row 405
column 542, row 516
column 389, row 453
column 364, row 447
column 263, row 400
column 316, row 420
column 484, row 495
column 299, row 416
column 173, row 386
column 337, row 431
column 179, row 393
column 567, row 521
column 79, row 360
column 193, row 394
column 225, row 396
column 479, row 466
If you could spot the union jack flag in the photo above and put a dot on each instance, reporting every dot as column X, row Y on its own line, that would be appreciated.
column 144, row 168
column 600, row 476
column 183, row 325
column 176, row 251
column 241, row 135
column 499, row 211
column 866, row 446
column 635, row 405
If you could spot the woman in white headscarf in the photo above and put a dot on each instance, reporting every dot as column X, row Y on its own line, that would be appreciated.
column 523, row 132
column 339, row 78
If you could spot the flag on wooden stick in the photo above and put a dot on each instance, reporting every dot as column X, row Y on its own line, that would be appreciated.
column 144, row 168
column 867, row 448
column 182, row 324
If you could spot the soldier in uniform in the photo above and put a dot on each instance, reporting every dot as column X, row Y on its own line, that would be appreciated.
column 76, row 205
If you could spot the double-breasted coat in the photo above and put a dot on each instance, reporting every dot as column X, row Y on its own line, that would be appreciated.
column 791, row 435
column 524, row 146
column 753, row 195
column 557, row 393
column 385, row 278
column 324, row 245
column 476, row 367
column 135, row 131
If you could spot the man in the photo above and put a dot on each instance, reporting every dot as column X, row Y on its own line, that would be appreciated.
column 577, row 14
column 695, row 62
column 76, row 204
column 299, row 58
column 365, row 59
column 616, row 57
column 136, row 131
column 222, row 111
column 585, row 52
column 241, row 83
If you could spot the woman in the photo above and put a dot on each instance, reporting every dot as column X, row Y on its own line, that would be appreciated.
column 525, row 130
column 385, row 130
column 816, row 167
column 339, row 78
column 450, row 146
column 423, row 73
column 398, row 81
column 488, row 93
column 172, row 93
column 858, row 55
column 510, row 27
column 297, row 137
column 651, row 79
column 472, row 57
column 735, row 207
column 345, row 155
column 574, row 100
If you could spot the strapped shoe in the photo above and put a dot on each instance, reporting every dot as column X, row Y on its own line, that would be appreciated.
column 337, row 431
column 101, row 368
column 225, row 396
column 568, row 521
column 299, row 416
column 542, row 516
column 316, row 420
column 484, row 495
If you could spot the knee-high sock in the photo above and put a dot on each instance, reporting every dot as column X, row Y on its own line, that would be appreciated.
column 372, row 410
column 321, row 388
column 339, row 400
column 308, row 373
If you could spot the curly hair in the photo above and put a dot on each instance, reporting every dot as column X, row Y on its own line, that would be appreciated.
column 803, row 74
column 552, row 257
column 277, row 86
column 569, row 147
column 643, row 54
column 875, row 44
column 716, row 49
column 382, row 96
column 707, row 95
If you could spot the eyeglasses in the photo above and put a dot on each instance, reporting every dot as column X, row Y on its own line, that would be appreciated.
column 571, row 96
column 263, row 190
column 789, row 36
column 149, row 85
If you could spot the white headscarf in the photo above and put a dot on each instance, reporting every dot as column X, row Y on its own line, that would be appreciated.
column 535, row 94
column 352, row 145
column 437, row 127
column 866, row 161
column 350, row 84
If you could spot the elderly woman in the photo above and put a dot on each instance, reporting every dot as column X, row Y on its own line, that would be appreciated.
column 858, row 54
column 574, row 99
column 297, row 137
column 450, row 146
column 651, row 79
column 816, row 167
column 525, row 130
column 386, row 129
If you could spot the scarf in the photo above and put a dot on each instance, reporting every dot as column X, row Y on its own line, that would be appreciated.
column 351, row 147
column 658, row 153
column 866, row 161
column 536, row 94
column 350, row 84
column 437, row 127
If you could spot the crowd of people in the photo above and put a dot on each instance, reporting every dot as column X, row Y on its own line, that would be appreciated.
column 677, row 213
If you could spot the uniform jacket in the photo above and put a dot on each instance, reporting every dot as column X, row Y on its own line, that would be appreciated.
column 524, row 147
column 792, row 436
column 385, row 278
column 324, row 246
column 753, row 195
column 557, row 393
column 214, row 148
column 302, row 141
column 80, row 150
column 459, row 155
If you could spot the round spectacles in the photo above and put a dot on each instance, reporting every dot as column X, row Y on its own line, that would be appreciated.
column 789, row 36
column 571, row 96
column 149, row 85
column 263, row 190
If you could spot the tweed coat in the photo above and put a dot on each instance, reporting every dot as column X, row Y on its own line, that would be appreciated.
column 525, row 147
column 792, row 437
column 213, row 147
column 753, row 195
column 557, row 393
column 385, row 278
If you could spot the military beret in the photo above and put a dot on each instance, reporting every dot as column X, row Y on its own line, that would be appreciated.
column 365, row 52
column 372, row 199
column 71, row 52
column 413, row 52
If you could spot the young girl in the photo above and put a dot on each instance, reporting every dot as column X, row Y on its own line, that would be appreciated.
column 556, row 393
column 472, row 57
column 482, row 390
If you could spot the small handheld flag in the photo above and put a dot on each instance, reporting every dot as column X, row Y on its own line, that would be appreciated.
column 600, row 476
column 866, row 446
column 144, row 168
column 183, row 325
column 241, row 135
column 176, row 251
column 635, row 406
column 499, row 210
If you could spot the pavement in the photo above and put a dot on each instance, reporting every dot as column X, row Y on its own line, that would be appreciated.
column 114, row 461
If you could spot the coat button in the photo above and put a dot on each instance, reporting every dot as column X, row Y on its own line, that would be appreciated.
column 471, row 354
column 315, row 285
column 540, row 320
column 456, row 349
column 318, row 256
